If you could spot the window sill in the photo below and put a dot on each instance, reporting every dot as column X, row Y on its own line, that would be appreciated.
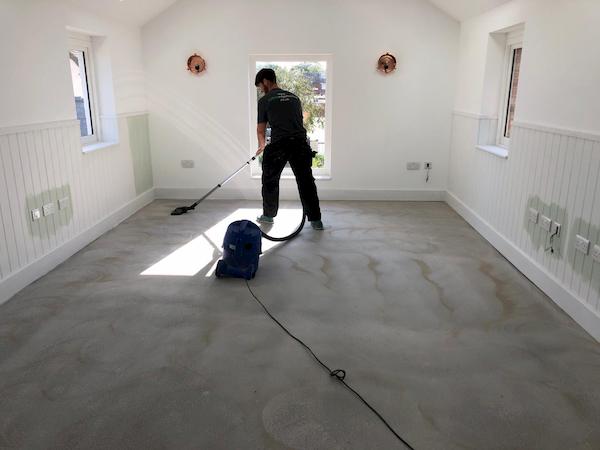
column 97, row 146
column 495, row 150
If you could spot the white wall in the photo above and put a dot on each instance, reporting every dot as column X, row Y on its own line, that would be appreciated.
column 552, row 166
column 379, row 123
column 559, row 82
column 34, row 87
column 41, row 157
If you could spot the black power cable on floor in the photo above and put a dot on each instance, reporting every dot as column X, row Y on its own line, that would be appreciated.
column 340, row 374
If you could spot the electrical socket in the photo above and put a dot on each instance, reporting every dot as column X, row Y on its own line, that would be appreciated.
column 582, row 244
column 63, row 203
column 555, row 229
column 413, row 166
column 36, row 214
column 187, row 163
column 545, row 223
column 48, row 209
column 596, row 253
column 533, row 215
column 427, row 165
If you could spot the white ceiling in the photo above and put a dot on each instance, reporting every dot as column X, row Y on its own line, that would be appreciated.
column 134, row 12
column 465, row 9
column 138, row 12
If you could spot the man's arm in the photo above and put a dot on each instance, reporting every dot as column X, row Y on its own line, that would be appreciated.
column 261, row 134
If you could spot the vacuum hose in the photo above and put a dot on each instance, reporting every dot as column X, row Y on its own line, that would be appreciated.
column 184, row 209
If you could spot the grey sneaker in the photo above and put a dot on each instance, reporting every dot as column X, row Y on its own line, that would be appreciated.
column 317, row 225
column 264, row 219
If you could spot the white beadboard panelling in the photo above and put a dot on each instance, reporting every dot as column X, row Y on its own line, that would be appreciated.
column 584, row 212
column 40, row 225
column 586, row 135
column 44, row 151
column 29, row 190
column 592, row 219
column 62, row 181
column 5, row 220
column 19, row 198
column 36, row 126
column 551, row 191
column 560, row 198
column 588, row 318
column 22, row 277
column 6, row 183
column 594, row 270
column 44, row 162
column 576, row 208
column 558, row 168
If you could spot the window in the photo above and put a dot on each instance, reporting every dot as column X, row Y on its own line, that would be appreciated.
column 307, row 76
column 80, row 60
column 513, row 56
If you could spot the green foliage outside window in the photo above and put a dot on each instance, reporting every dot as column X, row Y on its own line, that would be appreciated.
column 302, row 80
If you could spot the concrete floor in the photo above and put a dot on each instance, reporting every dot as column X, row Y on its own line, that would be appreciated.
column 449, row 341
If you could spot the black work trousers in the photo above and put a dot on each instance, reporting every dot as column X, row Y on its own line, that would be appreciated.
column 298, row 153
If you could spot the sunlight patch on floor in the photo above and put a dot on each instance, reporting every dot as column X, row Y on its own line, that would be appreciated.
column 186, row 261
column 205, row 249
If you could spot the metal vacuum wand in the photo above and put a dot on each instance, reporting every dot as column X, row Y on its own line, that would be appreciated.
column 183, row 209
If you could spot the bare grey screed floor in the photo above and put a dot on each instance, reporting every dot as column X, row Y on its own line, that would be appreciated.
column 448, row 340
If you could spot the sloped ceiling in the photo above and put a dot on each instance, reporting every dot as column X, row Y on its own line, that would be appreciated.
column 465, row 9
column 138, row 12
column 133, row 12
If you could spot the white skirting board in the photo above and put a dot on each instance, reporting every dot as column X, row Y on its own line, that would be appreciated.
column 586, row 317
column 292, row 194
column 28, row 274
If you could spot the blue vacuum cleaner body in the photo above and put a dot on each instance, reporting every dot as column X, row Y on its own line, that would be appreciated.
column 241, row 250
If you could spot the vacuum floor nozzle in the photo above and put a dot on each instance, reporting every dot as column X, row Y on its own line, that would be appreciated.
column 181, row 210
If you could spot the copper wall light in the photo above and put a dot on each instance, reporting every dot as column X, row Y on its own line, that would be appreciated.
column 386, row 63
column 196, row 64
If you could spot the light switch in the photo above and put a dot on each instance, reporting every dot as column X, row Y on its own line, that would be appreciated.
column 533, row 215
column 545, row 223
column 48, row 209
column 36, row 214
column 582, row 244
column 596, row 253
column 63, row 203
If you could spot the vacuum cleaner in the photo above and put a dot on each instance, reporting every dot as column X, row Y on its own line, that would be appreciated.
column 241, row 251
column 242, row 242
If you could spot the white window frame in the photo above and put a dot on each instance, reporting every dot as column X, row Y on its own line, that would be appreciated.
column 514, row 41
column 319, row 173
column 83, row 43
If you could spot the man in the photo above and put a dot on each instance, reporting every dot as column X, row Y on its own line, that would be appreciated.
column 283, row 111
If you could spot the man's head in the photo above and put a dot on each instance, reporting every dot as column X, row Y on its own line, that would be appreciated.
column 265, row 80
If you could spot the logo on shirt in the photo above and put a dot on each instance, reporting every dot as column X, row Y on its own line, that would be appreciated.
column 283, row 97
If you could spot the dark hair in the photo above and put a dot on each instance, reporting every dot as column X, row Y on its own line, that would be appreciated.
column 265, row 74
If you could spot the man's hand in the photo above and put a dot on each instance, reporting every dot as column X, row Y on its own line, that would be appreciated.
column 260, row 150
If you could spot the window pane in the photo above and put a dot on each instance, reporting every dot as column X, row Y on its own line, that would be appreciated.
column 512, row 96
column 81, row 92
column 308, row 80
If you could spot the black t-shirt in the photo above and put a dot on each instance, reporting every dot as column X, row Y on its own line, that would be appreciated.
column 283, row 111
